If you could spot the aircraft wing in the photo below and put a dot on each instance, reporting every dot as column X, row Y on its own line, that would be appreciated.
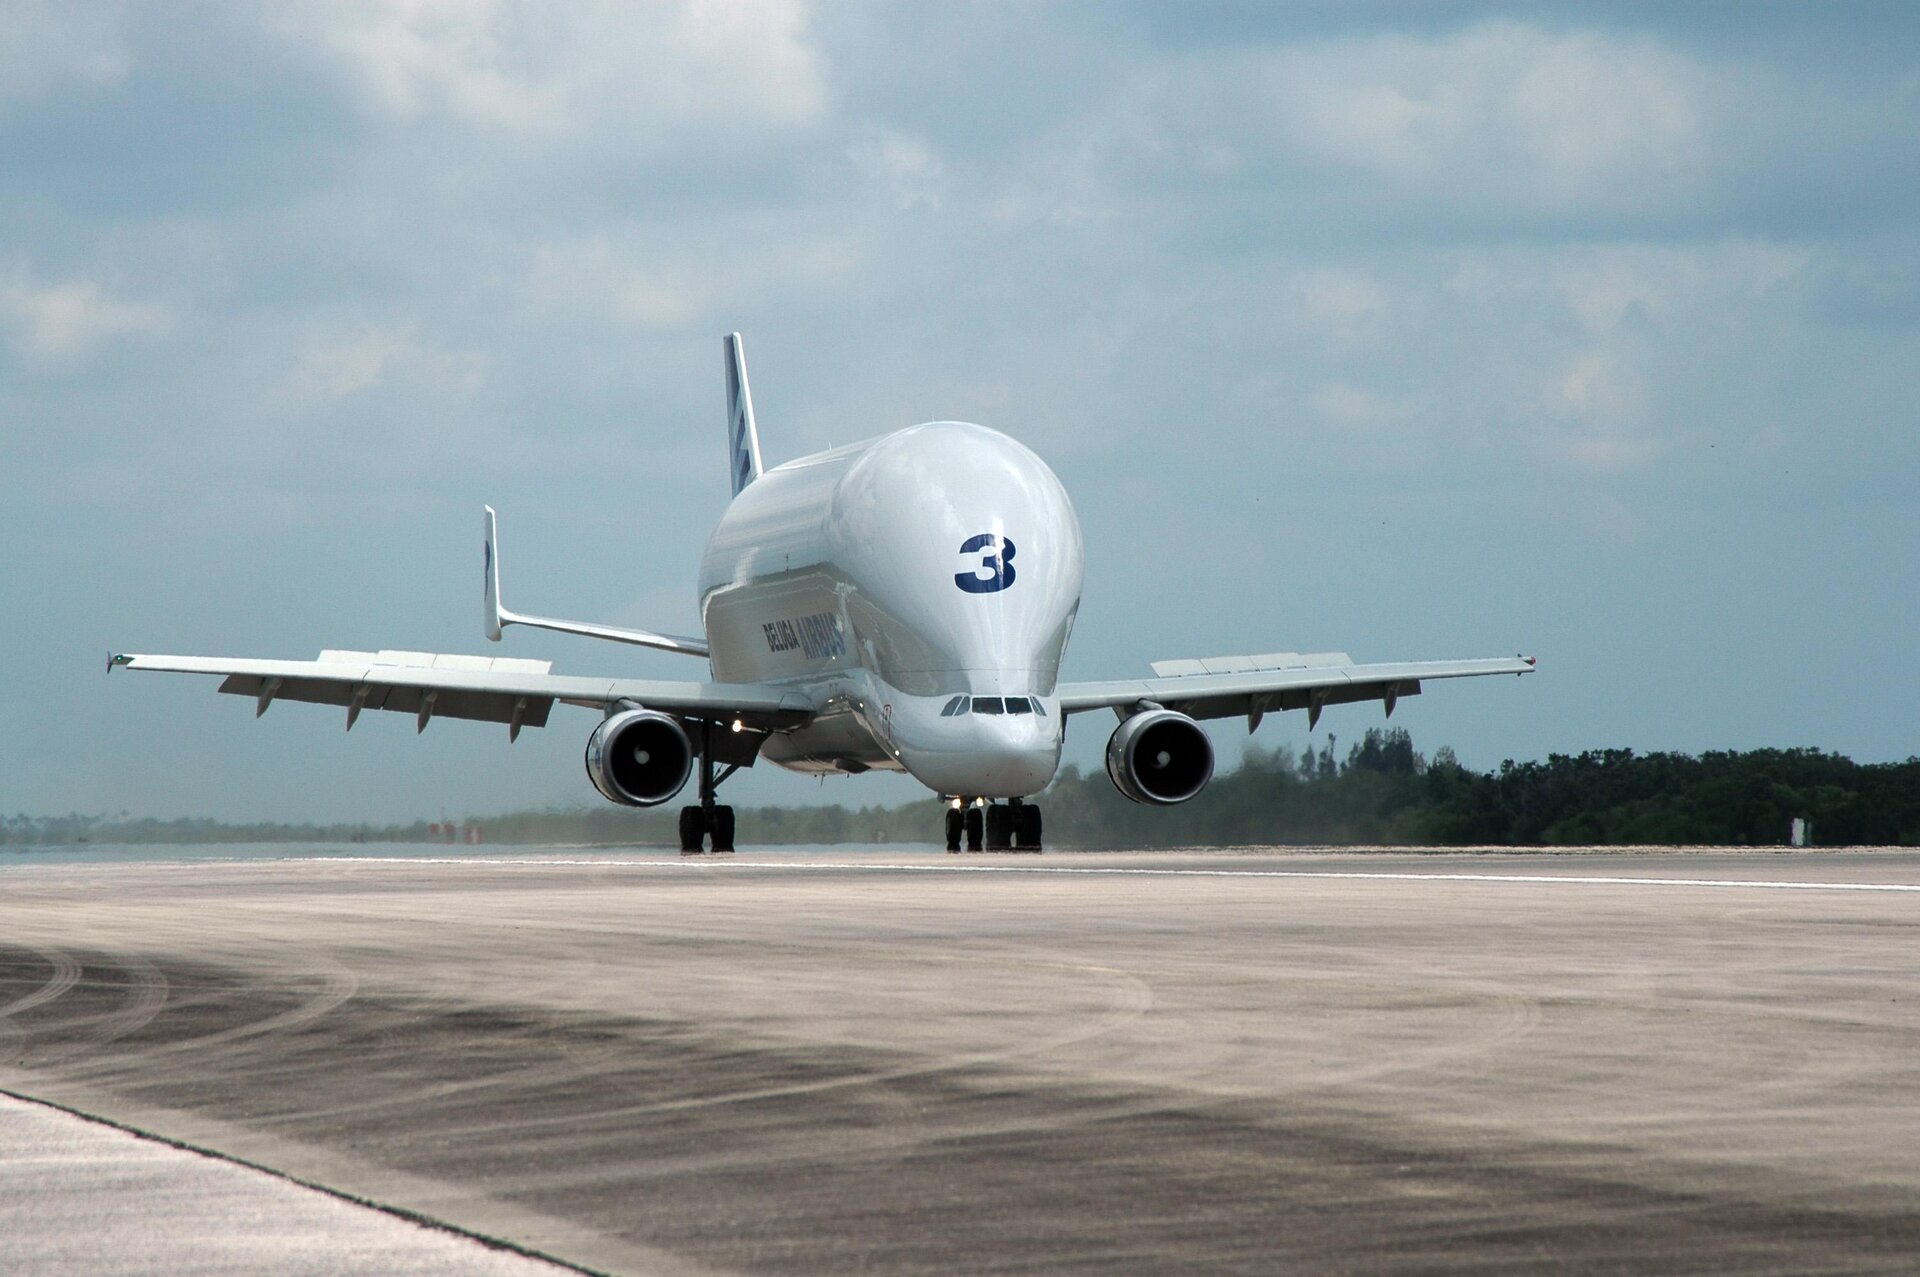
column 1224, row 687
column 518, row 693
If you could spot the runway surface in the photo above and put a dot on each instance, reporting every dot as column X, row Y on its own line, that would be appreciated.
column 916, row 1063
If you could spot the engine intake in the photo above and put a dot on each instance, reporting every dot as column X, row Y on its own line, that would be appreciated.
column 639, row 758
column 1159, row 757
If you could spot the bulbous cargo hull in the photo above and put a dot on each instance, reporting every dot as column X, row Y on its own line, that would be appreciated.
column 940, row 561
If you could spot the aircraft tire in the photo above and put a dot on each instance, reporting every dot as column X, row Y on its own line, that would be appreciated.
column 1026, row 827
column 956, row 828
column 999, row 828
column 974, row 829
column 693, row 830
column 722, row 829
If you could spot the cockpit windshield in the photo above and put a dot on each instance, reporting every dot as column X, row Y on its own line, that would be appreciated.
column 990, row 705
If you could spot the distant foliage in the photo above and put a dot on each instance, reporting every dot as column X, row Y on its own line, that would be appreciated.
column 1382, row 792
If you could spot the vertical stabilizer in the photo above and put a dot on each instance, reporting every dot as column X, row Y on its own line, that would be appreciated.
column 743, row 437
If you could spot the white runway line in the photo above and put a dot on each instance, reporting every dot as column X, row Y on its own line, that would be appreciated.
column 842, row 866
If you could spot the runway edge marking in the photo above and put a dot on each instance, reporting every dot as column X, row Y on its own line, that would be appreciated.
column 417, row 1218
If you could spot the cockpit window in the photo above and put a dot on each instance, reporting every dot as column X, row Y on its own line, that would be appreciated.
column 987, row 705
column 958, row 705
column 1019, row 705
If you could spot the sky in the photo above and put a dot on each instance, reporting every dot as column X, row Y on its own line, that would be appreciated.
column 1589, row 332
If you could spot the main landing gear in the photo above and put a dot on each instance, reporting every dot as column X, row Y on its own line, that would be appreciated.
column 1010, row 826
column 710, row 820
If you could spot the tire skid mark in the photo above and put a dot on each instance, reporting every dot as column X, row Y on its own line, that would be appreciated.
column 137, row 990
column 1518, row 1015
column 65, row 974
column 537, row 1073
column 1137, row 1001
column 388, row 1038
column 147, row 995
column 338, row 985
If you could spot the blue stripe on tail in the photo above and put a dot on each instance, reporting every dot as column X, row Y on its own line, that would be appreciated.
column 743, row 437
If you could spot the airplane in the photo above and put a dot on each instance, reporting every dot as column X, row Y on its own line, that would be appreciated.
column 900, row 604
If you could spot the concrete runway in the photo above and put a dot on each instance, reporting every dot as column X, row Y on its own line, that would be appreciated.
column 916, row 1063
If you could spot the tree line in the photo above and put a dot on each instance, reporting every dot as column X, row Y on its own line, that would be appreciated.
column 1382, row 792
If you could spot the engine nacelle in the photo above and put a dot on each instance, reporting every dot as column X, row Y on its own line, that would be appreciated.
column 1159, row 757
column 639, row 758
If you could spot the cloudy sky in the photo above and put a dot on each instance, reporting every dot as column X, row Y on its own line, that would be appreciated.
column 1414, row 331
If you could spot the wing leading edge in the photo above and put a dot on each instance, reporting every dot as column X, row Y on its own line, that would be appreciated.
column 1226, row 687
column 518, row 693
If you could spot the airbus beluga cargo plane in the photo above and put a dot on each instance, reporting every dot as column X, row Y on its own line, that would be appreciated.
column 895, row 605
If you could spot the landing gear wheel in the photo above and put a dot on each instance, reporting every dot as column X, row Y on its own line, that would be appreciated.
column 693, row 830
column 1026, row 828
column 973, row 829
column 722, row 828
column 956, row 828
column 999, row 828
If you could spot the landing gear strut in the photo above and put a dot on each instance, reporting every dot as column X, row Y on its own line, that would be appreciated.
column 1012, row 826
column 709, row 820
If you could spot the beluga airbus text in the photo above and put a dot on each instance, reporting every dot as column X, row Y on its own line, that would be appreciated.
column 900, row 604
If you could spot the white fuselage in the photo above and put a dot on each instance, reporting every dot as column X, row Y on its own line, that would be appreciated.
column 914, row 585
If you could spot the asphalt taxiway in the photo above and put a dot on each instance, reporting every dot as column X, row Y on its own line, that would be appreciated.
column 917, row 1063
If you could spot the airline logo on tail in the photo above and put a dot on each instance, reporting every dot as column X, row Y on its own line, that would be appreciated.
column 743, row 437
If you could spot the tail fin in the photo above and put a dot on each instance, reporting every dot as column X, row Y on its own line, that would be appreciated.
column 743, row 437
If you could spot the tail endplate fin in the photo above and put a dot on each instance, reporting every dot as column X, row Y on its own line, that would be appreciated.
column 496, row 616
column 743, row 437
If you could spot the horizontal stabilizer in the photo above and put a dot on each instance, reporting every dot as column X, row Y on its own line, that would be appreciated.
column 497, row 617
column 1250, row 664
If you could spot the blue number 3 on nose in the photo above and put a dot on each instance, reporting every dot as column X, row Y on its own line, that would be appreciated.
column 994, row 572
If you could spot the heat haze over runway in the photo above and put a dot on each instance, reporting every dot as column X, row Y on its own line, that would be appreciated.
column 919, row 1063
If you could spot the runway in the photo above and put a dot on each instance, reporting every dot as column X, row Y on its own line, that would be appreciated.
column 914, row 1063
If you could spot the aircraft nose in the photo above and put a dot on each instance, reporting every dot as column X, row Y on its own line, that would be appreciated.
column 1021, row 771
column 988, row 757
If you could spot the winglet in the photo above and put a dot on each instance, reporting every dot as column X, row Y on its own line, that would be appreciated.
column 743, row 436
column 495, row 614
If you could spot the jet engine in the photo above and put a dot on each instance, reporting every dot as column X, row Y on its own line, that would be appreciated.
column 1159, row 757
column 639, row 758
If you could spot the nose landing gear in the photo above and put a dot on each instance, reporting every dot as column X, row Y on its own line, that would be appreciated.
column 1012, row 826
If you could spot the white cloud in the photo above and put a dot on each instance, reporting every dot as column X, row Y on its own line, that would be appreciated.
column 645, row 72
column 45, row 46
column 1357, row 408
column 58, row 323
column 906, row 167
column 699, row 279
column 1603, row 287
column 1563, row 121
column 601, row 278
column 420, row 57
column 335, row 367
column 1341, row 295
column 1501, row 118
